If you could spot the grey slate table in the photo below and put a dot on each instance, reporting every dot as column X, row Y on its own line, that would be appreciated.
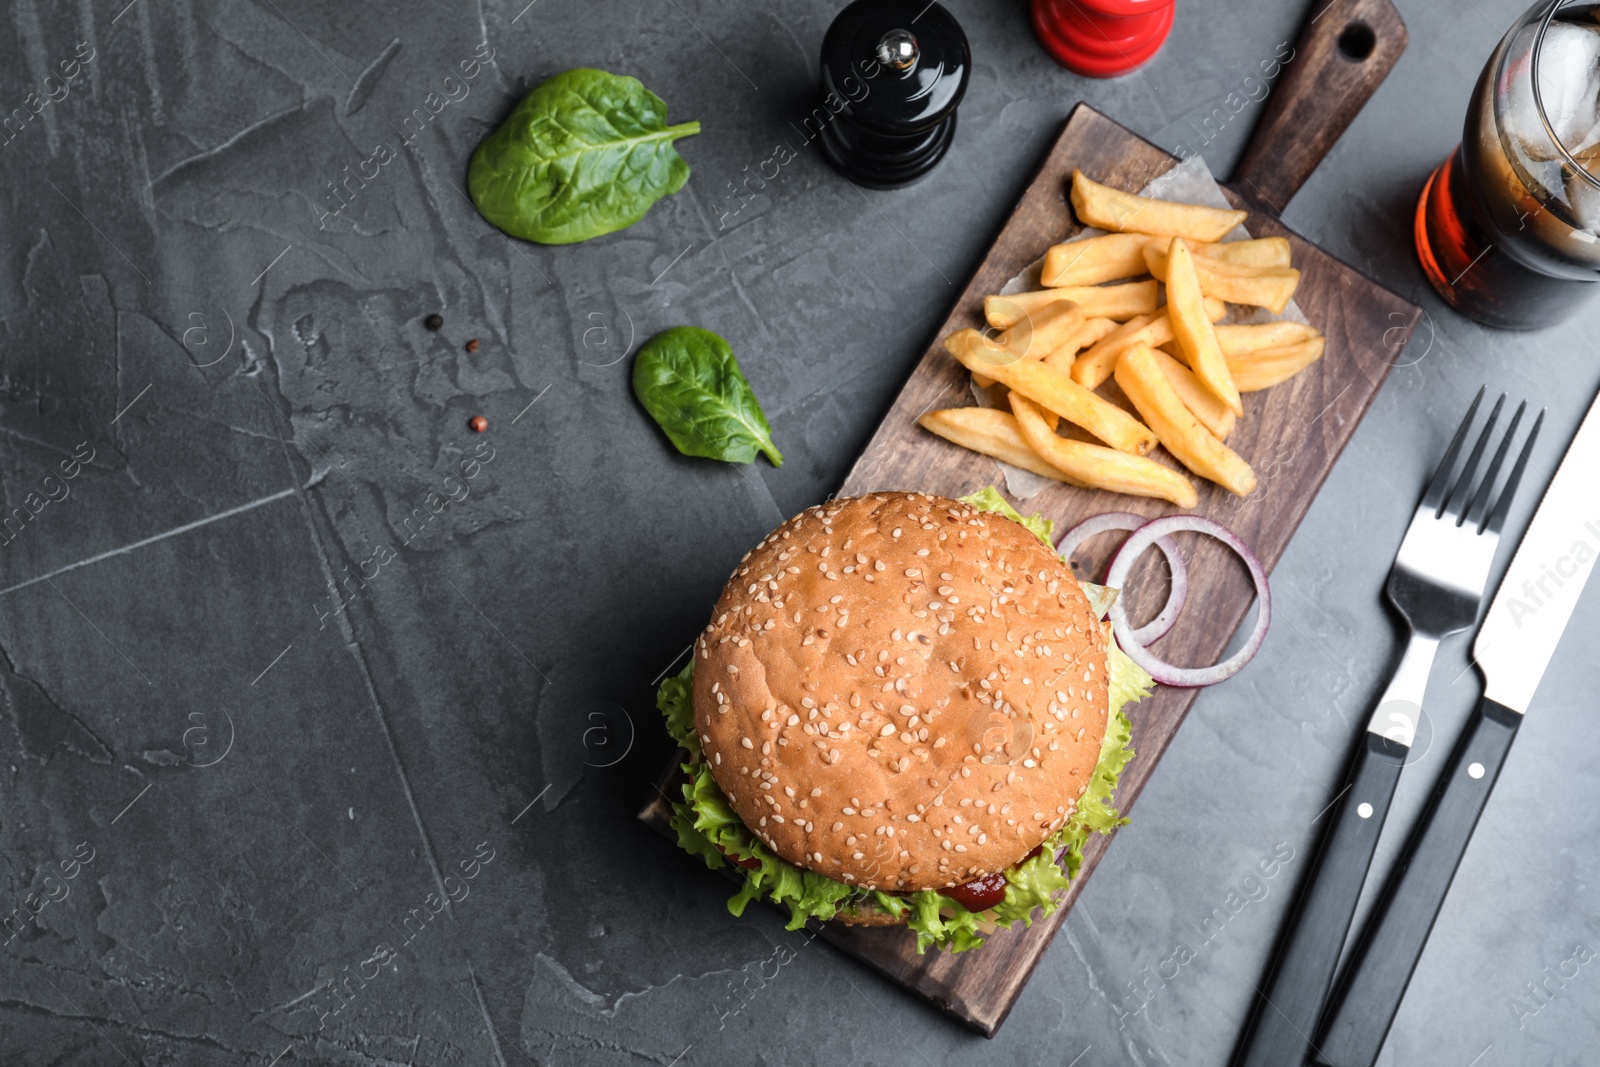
column 293, row 654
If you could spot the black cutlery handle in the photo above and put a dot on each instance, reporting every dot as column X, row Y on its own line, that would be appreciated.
column 1373, row 983
column 1280, row 1029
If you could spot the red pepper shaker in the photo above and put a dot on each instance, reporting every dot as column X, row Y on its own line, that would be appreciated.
column 1102, row 38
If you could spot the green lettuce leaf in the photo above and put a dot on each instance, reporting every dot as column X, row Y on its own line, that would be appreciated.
column 693, row 841
column 940, row 922
column 705, row 815
column 888, row 902
column 676, row 701
column 989, row 499
column 708, row 827
column 1101, row 597
column 1127, row 681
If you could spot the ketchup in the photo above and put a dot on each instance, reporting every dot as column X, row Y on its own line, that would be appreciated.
column 979, row 895
column 986, row 892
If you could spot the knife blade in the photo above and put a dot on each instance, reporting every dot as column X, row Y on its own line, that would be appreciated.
column 1540, row 590
column 1518, row 637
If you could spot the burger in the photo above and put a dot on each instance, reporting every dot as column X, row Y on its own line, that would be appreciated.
column 905, row 710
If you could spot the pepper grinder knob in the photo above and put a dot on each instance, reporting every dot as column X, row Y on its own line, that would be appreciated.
column 898, row 49
column 889, row 95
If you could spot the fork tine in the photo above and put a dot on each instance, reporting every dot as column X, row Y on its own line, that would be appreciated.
column 1480, row 503
column 1434, row 496
column 1460, row 493
column 1497, row 518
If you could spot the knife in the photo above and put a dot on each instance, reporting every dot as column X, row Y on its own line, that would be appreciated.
column 1519, row 634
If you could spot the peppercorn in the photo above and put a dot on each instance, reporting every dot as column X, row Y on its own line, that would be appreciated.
column 472, row 345
column 434, row 322
column 478, row 423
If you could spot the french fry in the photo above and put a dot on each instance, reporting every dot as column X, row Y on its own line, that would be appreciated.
column 1259, row 252
column 1106, row 301
column 993, row 433
column 993, row 352
column 1097, row 466
column 1112, row 209
column 1093, row 367
column 1036, row 336
column 1191, row 327
column 1039, row 335
column 1056, row 392
column 1146, row 385
column 1213, row 414
column 1236, row 340
column 1092, row 331
column 1093, row 260
column 1266, row 367
column 1268, row 287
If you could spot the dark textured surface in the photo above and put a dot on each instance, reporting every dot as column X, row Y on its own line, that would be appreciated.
column 500, row 651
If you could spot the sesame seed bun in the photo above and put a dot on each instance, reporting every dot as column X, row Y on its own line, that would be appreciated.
column 901, row 692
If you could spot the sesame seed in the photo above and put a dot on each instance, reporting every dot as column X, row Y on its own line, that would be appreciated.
column 746, row 742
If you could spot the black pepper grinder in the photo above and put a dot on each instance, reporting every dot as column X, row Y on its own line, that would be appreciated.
column 893, row 73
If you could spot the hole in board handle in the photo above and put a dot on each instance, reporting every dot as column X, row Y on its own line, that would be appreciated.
column 1357, row 41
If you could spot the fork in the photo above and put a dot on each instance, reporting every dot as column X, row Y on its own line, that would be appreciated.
column 1437, row 585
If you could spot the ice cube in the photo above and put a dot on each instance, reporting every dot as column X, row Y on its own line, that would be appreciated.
column 1584, row 198
column 1569, row 80
column 1586, row 143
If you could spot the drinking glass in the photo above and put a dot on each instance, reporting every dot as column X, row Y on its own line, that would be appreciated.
column 1506, row 227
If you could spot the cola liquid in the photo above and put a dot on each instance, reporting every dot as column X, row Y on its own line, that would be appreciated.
column 1506, row 229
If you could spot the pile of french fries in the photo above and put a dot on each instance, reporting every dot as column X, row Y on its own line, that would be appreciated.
column 1099, row 318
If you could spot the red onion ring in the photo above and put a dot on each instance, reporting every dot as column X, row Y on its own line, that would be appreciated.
column 1163, row 672
column 1157, row 627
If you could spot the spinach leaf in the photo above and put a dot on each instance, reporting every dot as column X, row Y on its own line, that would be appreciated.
column 689, row 382
column 586, row 153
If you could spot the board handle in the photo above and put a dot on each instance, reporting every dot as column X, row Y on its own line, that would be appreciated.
column 1344, row 52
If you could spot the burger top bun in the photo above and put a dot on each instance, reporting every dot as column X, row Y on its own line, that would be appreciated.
column 901, row 692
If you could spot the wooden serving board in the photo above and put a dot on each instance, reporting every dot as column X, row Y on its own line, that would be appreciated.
column 1291, row 435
